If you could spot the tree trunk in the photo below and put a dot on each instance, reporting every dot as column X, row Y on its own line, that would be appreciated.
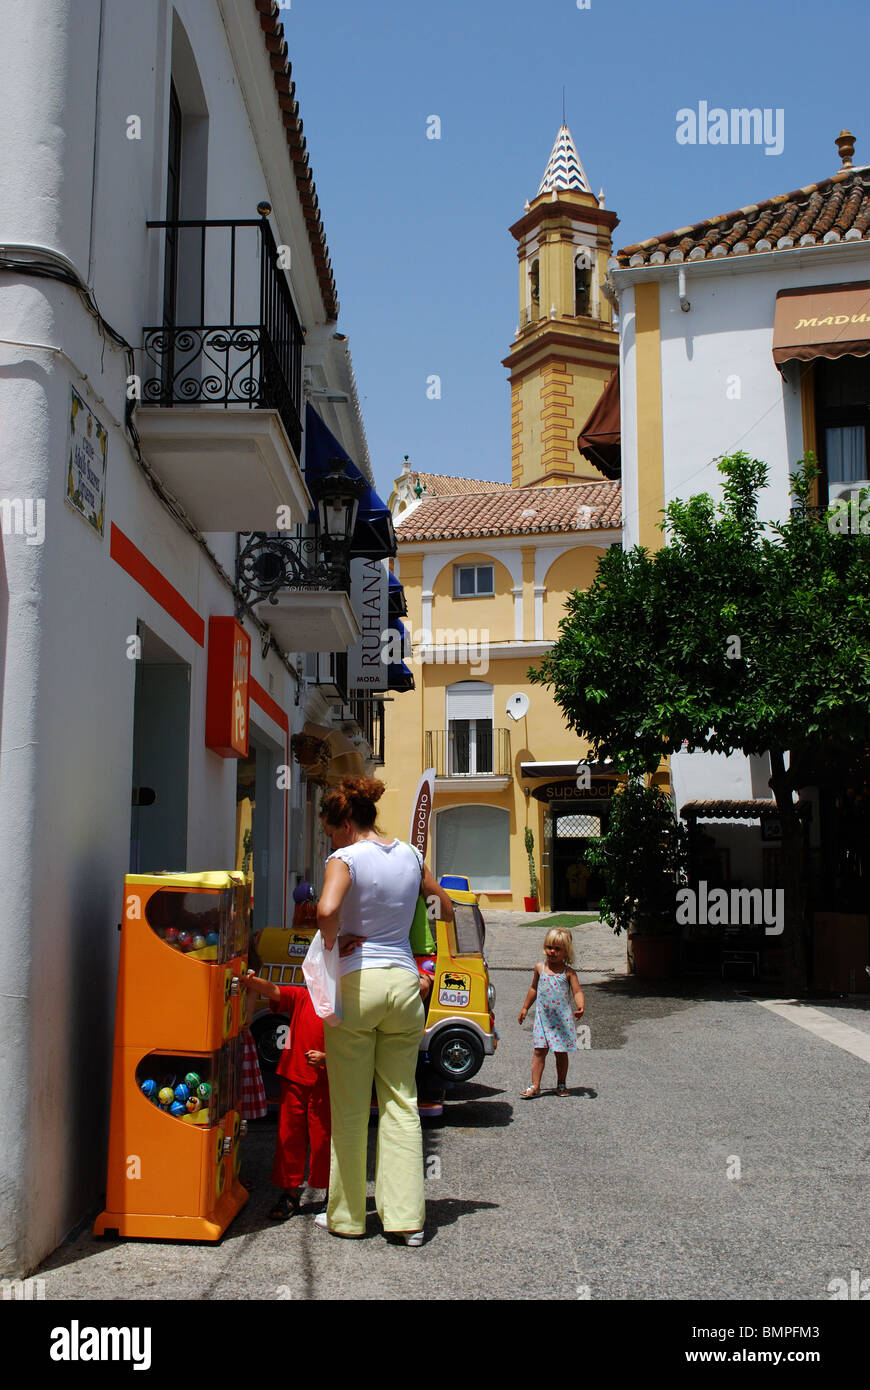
column 795, row 926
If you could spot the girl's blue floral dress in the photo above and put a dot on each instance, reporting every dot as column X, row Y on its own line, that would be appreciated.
column 554, row 1014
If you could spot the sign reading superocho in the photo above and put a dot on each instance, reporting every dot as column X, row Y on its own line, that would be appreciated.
column 566, row 789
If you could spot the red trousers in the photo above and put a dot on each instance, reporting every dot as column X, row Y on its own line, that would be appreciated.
column 303, row 1119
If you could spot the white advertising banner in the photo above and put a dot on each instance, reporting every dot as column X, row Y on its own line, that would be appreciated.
column 422, row 812
column 369, row 591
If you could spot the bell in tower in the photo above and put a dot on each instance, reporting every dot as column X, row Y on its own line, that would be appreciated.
column 567, row 346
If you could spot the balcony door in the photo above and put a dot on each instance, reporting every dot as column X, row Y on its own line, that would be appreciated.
column 184, row 268
column 469, row 728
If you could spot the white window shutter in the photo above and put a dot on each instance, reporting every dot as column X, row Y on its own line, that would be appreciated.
column 469, row 700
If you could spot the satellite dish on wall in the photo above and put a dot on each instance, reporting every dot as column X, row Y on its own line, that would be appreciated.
column 517, row 706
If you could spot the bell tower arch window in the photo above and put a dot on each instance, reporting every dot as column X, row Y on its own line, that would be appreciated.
column 583, row 263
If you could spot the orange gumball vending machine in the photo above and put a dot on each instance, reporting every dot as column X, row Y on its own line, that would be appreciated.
column 176, row 1131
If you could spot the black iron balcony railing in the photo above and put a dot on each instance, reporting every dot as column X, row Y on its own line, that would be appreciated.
column 231, row 335
column 328, row 671
column 462, row 752
column 268, row 563
column 368, row 711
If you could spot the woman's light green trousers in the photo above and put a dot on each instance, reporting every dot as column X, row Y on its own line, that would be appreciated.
column 378, row 1039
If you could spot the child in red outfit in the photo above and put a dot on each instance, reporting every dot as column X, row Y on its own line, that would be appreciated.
column 303, row 1117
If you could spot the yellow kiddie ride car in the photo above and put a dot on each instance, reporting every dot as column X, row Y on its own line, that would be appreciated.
column 460, row 1019
column 460, row 1022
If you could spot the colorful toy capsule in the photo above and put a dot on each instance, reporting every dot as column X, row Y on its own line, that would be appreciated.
column 182, row 1092
column 203, row 1090
column 166, row 1096
column 149, row 1088
column 184, row 940
column 212, row 939
column 176, row 1108
column 198, row 943
column 193, row 1105
column 171, row 935
column 192, row 1080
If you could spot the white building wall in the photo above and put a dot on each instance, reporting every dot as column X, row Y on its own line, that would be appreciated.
column 67, row 684
column 722, row 392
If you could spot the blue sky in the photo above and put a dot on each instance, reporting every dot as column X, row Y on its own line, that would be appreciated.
column 418, row 228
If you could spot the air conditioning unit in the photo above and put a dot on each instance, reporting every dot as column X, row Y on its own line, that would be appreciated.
column 847, row 492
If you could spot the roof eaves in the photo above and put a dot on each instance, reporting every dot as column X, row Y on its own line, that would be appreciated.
column 276, row 49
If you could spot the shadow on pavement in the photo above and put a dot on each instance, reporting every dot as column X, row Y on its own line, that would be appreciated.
column 493, row 1114
column 446, row 1211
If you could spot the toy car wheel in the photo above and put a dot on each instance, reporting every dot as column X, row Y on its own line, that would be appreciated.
column 268, row 1034
column 456, row 1054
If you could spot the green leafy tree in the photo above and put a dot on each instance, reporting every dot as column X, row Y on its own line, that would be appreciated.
column 641, row 857
column 733, row 636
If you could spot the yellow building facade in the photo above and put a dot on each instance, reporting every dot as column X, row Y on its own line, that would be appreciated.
column 487, row 569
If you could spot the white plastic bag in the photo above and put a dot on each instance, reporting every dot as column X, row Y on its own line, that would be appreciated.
column 320, row 968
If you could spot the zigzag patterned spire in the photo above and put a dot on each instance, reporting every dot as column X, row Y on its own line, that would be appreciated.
column 564, row 169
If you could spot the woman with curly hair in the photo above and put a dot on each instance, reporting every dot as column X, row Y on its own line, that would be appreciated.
column 369, row 894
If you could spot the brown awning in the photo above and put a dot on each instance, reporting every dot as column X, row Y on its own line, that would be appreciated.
column 599, row 439
column 825, row 321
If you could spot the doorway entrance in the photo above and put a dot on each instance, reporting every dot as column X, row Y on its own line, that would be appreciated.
column 161, row 736
column 259, row 829
column 576, row 886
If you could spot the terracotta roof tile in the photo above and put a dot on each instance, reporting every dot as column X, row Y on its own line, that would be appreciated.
column 444, row 485
column 514, row 512
column 837, row 208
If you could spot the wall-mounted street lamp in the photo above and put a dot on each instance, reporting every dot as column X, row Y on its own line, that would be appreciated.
column 338, row 498
column 266, row 564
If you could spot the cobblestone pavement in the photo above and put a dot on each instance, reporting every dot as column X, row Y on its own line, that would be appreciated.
column 709, row 1149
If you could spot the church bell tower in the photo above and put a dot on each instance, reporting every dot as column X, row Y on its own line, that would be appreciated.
column 566, row 347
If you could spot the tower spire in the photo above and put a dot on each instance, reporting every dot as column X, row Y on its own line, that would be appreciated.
column 564, row 169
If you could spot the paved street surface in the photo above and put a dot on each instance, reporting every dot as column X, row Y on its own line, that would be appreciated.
column 621, row 1191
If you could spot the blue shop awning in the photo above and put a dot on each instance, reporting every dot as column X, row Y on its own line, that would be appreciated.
column 399, row 677
column 374, row 537
column 397, row 605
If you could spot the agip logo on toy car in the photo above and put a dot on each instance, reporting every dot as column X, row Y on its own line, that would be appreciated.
column 454, row 990
column 298, row 944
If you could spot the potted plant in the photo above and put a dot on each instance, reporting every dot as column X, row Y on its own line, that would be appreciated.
column 531, row 901
column 642, row 858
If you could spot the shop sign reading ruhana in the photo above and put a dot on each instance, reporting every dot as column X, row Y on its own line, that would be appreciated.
column 86, row 467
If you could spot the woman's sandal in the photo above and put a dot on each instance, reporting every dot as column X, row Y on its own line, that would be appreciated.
column 286, row 1206
column 562, row 1089
column 530, row 1092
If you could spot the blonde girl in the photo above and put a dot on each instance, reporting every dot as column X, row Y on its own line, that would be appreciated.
column 555, row 989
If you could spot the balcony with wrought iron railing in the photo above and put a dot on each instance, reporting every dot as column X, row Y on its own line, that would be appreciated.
column 300, row 586
column 461, row 755
column 221, row 378
column 368, row 711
